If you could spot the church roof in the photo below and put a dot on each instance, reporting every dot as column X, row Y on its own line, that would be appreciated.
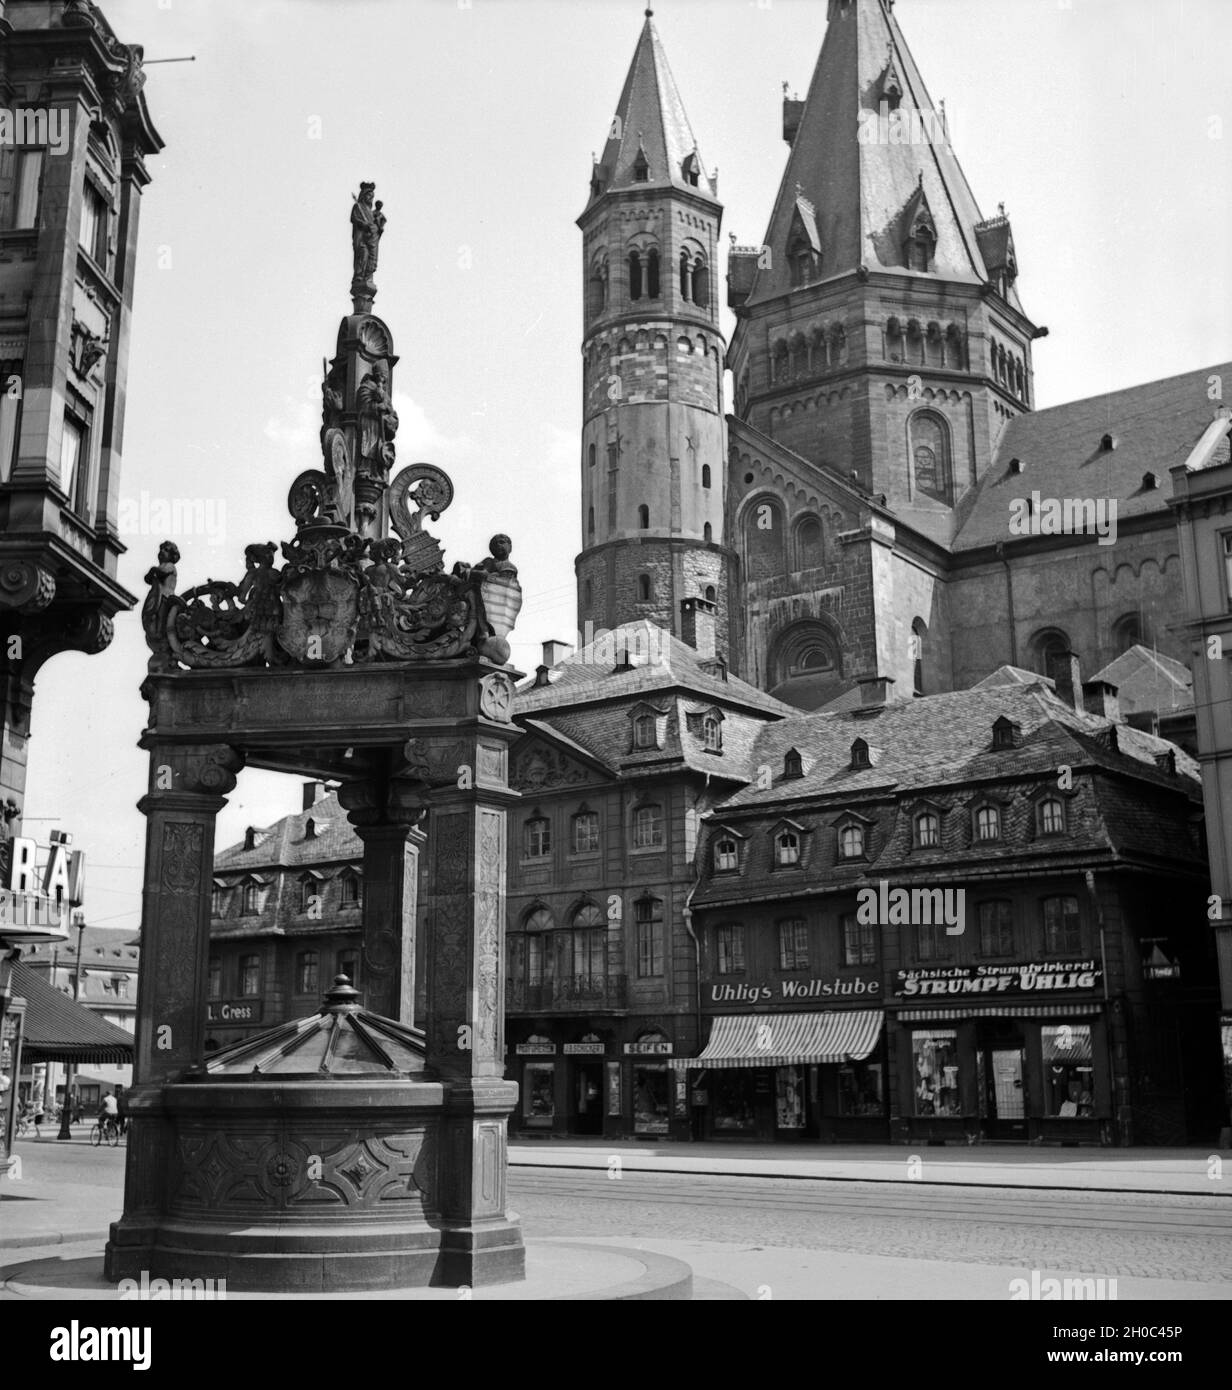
column 650, row 123
column 1062, row 453
column 864, row 183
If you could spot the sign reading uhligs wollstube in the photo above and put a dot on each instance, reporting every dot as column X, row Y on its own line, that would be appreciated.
column 1033, row 977
column 824, row 987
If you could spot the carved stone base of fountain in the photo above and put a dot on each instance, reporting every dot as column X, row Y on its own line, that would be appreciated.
column 323, row 1186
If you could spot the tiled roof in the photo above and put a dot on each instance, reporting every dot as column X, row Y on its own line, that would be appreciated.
column 59, row 1030
column 1155, row 427
column 114, row 947
column 1148, row 680
column 283, row 844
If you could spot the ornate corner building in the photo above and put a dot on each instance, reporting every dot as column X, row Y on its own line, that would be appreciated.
column 72, row 170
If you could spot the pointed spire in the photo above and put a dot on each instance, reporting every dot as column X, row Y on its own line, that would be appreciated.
column 872, row 164
column 650, row 142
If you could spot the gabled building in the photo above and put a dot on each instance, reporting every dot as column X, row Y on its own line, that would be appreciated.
column 970, row 917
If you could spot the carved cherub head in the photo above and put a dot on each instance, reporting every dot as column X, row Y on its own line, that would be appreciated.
column 500, row 547
column 168, row 553
column 260, row 556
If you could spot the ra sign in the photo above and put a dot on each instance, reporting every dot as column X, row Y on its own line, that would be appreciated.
column 61, row 878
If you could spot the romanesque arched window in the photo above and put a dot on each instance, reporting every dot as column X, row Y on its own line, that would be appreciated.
column 764, row 555
column 652, row 274
column 1127, row 632
column 930, row 456
column 635, row 275
column 809, row 544
column 705, row 475
column 701, row 284
column 643, row 517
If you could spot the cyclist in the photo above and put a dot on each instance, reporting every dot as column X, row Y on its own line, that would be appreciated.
column 109, row 1113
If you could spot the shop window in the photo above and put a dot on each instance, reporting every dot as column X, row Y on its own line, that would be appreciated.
column 859, row 940
column 789, row 1097
column 1051, row 817
column 988, row 823
column 307, row 972
column 648, row 827
column 927, row 830
column 648, row 914
column 732, row 1100
column 1069, row 1076
column 650, row 1098
column 1062, row 926
column 860, row 1089
column 929, row 939
column 347, row 963
column 996, row 928
column 726, row 856
column 215, row 977
column 793, row 944
column 645, row 732
column 586, row 832
column 250, row 976
column 729, row 949
column 851, row 842
column 935, row 1067
column 537, row 838
column 539, row 1091
column 787, row 849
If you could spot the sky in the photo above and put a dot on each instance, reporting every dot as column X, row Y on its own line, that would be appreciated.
column 1103, row 125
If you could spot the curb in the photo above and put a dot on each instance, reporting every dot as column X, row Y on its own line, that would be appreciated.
column 39, row 1238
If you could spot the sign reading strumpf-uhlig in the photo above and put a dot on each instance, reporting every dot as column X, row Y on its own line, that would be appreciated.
column 1031, row 977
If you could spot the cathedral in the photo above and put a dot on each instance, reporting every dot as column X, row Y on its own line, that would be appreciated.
column 884, row 508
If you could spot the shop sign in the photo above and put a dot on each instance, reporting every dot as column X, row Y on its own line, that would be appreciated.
column 536, row 1049
column 584, row 1049
column 233, row 1011
column 823, row 987
column 1033, row 977
column 648, row 1049
column 37, row 898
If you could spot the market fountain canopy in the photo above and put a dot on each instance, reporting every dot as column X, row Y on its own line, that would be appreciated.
column 348, row 591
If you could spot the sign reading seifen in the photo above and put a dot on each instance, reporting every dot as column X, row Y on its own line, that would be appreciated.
column 1034, row 977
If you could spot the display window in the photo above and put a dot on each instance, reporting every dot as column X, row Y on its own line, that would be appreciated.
column 789, row 1097
column 860, row 1089
column 651, row 1099
column 1069, row 1070
column 935, row 1067
column 539, row 1093
column 733, row 1107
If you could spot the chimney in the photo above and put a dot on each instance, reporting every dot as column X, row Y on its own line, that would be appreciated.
column 1066, row 672
column 313, row 792
column 793, row 109
column 1099, row 697
column 542, row 675
column 555, row 652
column 697, row 625
column 250, row 837
column 874, row 690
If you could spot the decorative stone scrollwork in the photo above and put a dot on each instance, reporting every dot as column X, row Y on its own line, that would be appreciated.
column 26, row 586
column 210, row 769
column 496, row 697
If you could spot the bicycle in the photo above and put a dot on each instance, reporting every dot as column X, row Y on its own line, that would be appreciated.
column 24, row 1125
column 105, row 1131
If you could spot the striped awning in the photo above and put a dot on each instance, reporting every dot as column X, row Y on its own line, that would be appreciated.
column 784, row 1040
column 956, row 1015
column 59, row 1030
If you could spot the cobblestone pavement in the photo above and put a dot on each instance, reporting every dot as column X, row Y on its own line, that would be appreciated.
column 1176, row 1238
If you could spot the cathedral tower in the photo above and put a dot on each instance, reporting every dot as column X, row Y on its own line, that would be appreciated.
column 653, row 428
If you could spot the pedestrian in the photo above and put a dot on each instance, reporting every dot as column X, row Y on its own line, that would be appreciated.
column 38, row 1118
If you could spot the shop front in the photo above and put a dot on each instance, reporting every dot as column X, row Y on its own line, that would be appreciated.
column 790, row 1077
column 1017, row 1070
column 591, row 1086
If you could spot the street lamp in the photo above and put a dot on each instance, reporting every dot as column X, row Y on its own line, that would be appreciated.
column 66, row 1113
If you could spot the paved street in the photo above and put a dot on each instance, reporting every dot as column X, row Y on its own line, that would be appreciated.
column 773, row 1237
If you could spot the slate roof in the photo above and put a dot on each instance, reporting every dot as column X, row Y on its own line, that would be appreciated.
column 283, row 844
column 1147, row 680
column 1155, row 426
column 113, row 948
column 651, row 118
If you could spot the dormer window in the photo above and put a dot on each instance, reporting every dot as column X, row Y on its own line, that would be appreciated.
column 645, row 731
column 927, row 830
column 641, row 167
column 691, row 169
column 988, row 823
column 859, row 755
column 802, row 261
column 851, row 842
column 726, row 856
column 712, row 734
column 349, row 890
column 251, row 899
column 1050, row 815
column 787, row 849
column 1005, row 733
column 793, row 764
column 919, row 250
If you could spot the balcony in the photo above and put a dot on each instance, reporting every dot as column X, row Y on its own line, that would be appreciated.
column 571, row 994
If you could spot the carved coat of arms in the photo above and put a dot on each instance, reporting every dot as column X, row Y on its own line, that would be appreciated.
column 320, row 609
